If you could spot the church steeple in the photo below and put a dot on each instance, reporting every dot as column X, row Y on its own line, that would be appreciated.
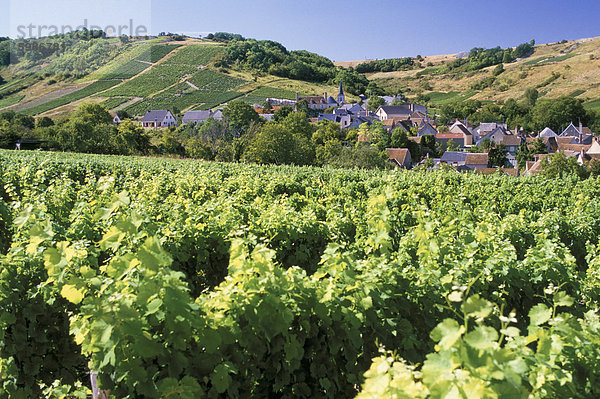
column 341, row 98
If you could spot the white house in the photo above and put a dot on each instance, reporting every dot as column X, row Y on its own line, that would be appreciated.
column 403, row 111
column 159, row 118
column 196, row 116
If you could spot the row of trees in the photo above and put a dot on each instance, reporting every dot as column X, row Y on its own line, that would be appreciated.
column 89, row 130
column 480, row 58
column 266, row 56
column 529, row 113
column 289, row 138
column 386, row 65
column 242, row 136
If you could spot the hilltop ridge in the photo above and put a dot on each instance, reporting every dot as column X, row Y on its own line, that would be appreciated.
column 187, row 74
column 193, row 74
column 565, row 68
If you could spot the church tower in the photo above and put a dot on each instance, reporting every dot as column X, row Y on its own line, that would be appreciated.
column 341, row 98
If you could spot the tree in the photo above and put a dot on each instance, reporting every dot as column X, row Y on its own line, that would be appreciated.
column 399, row 139
column 8, row 135
column 459, row 110
column 81, row 135
column 168, row 143
column 498, row 70
column 374, row 103
column 558, row 165
column 272, row 144
column 488, row 113
column 428, row 143
column 497, row 156
column 44, row 121
column 328, row 152
column 8, row 116
column 25, row 121
column 282, row 112
column 486, row 144
column 240, row 115
column 326, row 131
column 93, row 113
column 429, row 163
column 373, row 89
column 267, row 106
column 451, row 146
column 594, row 167
column 122, row 114
column 531, row 96
column 523, row 155
column 130, row 139
column 558, row 113
column 539, row 147
column 285, row 142
column 362, row 156
column 378, row 136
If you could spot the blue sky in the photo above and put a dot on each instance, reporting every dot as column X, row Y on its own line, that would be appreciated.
column 340, row 30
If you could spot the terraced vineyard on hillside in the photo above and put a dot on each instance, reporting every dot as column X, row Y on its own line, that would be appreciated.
column 154, row 71
column 196, row 55
column 87, row 91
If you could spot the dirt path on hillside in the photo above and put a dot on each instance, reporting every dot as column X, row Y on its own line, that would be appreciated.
column 193, row 86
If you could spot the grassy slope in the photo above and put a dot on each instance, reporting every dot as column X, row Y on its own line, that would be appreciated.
column 578, row 63
column 170, row 74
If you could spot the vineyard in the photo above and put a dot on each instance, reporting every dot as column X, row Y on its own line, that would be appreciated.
column 196, row 55
column 186, row 279
column 89, row 90
column 182, row 96
column 135, row 61
column 156, row 53
column 8, row 101
column 210, row 80
column 259, row 95
column 114, row 102
column 212, row 88
column 156, row 79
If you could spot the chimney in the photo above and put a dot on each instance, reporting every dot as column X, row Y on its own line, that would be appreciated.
column 325, row 96
column 411, row 107
column 580, row 133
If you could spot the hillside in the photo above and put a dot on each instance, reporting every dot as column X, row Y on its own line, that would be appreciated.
column 190, row 74
column 569, row 68
column 143, row 75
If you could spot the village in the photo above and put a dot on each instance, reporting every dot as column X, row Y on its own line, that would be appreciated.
column 460, row 145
